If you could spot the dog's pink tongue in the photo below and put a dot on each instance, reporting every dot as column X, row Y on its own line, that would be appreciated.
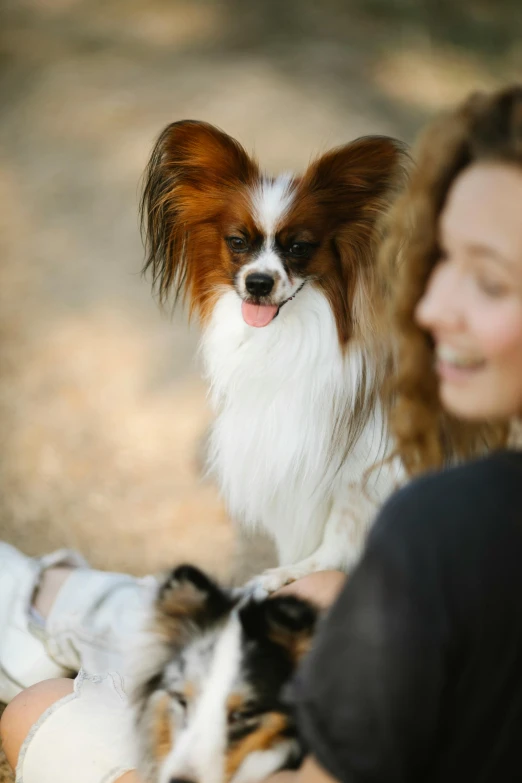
column 258, row 315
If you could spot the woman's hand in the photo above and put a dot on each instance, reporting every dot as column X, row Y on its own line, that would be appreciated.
column 320, row 588
column 309, row 772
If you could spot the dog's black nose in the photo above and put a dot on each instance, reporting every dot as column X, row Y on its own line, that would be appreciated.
column 259, row 284
column 180, row 780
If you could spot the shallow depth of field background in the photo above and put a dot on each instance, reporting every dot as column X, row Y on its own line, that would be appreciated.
column 102, row 410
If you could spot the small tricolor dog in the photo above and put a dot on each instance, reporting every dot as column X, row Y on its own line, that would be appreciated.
column 208, row 686
column 281, row 273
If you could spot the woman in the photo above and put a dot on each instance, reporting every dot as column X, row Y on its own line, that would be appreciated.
column 416, row 674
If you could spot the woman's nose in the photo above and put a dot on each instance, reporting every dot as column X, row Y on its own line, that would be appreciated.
column 441, row 304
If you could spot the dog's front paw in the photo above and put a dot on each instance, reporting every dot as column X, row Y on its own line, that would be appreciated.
column 273, row 579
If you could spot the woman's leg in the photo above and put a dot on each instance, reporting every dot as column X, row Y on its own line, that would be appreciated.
column 28, row 708
column 51, row 582
column 57, row 615
column 25, row 710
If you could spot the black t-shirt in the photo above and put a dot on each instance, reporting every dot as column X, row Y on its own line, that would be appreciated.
column 417, row 670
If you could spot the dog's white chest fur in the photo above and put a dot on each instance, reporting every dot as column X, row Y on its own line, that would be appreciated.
column 278, row 446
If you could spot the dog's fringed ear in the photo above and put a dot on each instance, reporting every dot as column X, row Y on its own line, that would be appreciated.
column 353, row 186
column 192, row 166
column 286, row 620
column 356, row 179
column 188, row 600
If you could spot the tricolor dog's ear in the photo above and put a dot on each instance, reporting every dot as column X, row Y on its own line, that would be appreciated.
column 286, row 620
column 192, row 171
column 188, row 600
column 354, row 181
column 351, row 188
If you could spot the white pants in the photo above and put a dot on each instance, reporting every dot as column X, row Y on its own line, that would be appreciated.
column 95, row 617
column 86, row 737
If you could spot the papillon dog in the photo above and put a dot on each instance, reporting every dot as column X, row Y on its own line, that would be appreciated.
column 281, row 274
column 208, row 687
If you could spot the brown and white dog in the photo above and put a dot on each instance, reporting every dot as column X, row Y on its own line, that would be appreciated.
column 208, row 683
column 281, row 274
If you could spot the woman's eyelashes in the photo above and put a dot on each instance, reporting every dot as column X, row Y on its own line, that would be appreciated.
column 487, row 279
column 495, row 289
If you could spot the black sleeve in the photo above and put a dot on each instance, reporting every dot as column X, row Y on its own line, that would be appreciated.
column 367, row 698
column 424, row 642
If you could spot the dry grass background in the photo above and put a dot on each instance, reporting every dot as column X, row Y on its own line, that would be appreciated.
column 102, row 411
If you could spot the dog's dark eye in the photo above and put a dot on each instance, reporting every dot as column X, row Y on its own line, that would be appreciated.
column 237, row 244
column 180, row 699
column 238, row 716
column 247, row 711
column 299, row 249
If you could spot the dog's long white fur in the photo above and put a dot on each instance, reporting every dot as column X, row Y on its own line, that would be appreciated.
column 282, row 395
column 279, row 394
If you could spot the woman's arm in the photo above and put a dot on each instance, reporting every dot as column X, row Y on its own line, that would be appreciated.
column 367, row 698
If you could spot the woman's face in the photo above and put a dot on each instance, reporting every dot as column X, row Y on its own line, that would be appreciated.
column 472, row 305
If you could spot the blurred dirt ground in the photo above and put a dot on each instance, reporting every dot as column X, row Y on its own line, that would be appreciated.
column 102, row 411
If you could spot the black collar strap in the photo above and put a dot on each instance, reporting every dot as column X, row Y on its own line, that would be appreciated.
column 293, row 296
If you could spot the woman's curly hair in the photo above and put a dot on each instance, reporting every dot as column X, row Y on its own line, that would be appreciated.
column 485, row 127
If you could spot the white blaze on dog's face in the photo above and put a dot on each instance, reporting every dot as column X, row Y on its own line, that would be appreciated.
column 210, row 711
column 205, row 675
column 265, row 277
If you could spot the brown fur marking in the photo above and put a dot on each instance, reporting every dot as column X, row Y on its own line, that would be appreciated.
column 174, row 608
column 270, row 730
column 162, row 729
column 236, row 701
column 341, row 198
column 296, row 644
column 195, row 176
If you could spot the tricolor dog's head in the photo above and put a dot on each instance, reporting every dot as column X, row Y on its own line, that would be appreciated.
column 214, row 223
column 207, row 696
